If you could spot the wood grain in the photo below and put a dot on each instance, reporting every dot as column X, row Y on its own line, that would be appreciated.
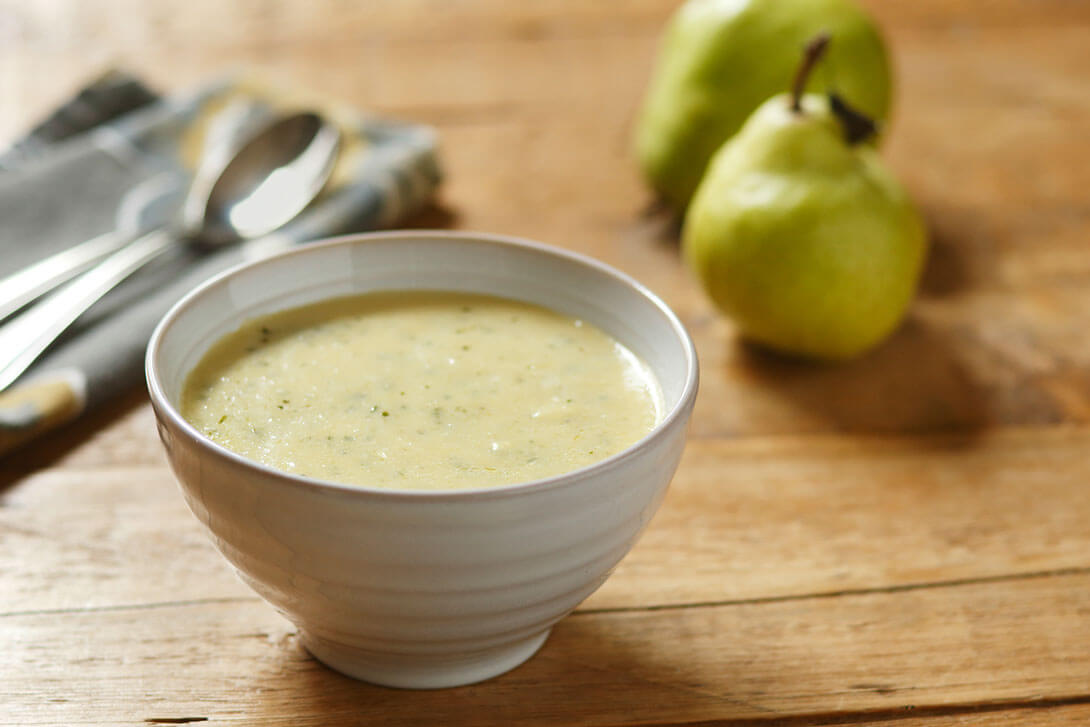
column 900, row 540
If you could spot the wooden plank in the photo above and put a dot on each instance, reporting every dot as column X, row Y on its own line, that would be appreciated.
column 745, row 519
column 766, row 518
column 884, row 654
column 1042, row 716
column 362, row 53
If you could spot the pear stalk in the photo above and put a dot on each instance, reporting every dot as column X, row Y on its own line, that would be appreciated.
column 857, row 126
column 815, row 49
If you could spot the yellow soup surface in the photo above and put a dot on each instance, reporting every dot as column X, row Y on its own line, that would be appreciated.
column 422, row 391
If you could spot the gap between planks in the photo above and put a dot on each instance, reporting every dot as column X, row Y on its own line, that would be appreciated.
column 727, row 603
column 846, row 592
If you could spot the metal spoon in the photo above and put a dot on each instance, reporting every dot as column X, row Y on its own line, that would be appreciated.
column 270, row 179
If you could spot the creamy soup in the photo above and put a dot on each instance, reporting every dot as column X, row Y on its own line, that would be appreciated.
column 425, row 391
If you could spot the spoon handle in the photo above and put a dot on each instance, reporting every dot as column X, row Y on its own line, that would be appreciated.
column 27, row 335
column 34, row 281
column 140, row 209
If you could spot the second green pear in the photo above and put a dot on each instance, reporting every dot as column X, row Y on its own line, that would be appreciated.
column 721, row 59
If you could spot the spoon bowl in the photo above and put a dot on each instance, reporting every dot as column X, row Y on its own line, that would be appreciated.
column 266, row 184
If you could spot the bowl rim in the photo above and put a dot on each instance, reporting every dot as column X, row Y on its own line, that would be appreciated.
column 167, row 410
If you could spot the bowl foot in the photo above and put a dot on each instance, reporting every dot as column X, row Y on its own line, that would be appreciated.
column 421, row 671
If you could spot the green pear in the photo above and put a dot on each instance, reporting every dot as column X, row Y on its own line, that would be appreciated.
column 721, row 59
column 801, row 235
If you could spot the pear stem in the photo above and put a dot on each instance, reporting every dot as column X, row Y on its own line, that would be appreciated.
column 815, row 49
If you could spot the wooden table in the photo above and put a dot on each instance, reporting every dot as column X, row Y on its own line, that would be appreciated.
column 901, row 540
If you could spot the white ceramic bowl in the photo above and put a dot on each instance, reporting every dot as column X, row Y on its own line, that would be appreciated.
column 423, row 589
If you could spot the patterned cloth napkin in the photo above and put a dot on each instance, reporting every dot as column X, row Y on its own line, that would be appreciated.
column 98, row 153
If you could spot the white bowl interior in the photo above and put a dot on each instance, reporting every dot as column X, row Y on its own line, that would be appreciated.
column 529, row 272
